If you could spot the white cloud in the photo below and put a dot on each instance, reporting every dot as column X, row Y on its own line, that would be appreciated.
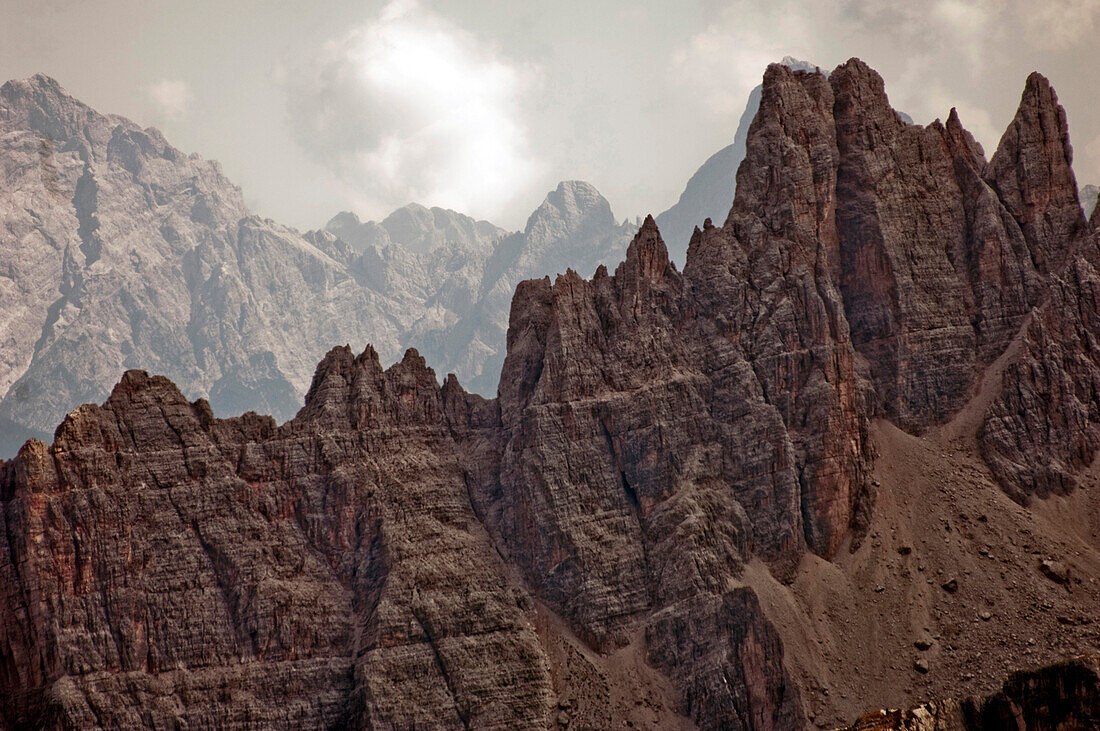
column 931, row 55
column 1056, row 24
column 967, row 17
column 411, row 107
column 170, row 98
column 727, row 59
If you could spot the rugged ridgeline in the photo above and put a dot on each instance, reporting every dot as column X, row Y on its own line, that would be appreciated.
column 709, row 192
column 118, row 252
column 463, row 328
column 671, row 515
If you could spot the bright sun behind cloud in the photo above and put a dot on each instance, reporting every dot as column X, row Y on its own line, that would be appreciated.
column 411, row 107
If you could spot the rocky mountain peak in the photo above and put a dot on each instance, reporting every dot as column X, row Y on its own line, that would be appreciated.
column 965, row 147
column 1032, row 173
column 574, row 207
column 1089, row 195
column 41, row 104
column 860, row 87
column 37, row 86
column 799, row 65
column 647, row 254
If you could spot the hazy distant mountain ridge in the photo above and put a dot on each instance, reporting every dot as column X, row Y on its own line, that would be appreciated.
column 418, row 229
column 573, row 229
column 119, row 251
column 467, row 284
column 1088, row 199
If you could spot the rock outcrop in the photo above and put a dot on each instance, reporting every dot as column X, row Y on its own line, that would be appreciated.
column 709, row 191
column 669, row 455
column 1044, row 425
column 1061, row 696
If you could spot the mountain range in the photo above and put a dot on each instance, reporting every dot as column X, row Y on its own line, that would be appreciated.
column 119, row 251
column 123, row 252
column 842, row 461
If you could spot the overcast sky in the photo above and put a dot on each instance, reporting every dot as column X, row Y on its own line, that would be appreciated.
column 483, row 105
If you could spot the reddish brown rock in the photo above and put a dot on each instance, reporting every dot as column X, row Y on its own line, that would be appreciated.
column 174, row 568
column 622, row 495
column 795, row 332
column 902, row 227
column 1061, row 696
column 1032, row 174
column 1044, row 425
column 404, row 554
column 997, row 258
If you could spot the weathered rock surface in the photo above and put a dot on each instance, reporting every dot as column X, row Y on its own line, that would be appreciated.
column 170, row 566
column 119, row 252
column 709, row 191
column 1032, row 172
column 416, row 229
column 669, row 455
column 1044, row 425
column 572, row 228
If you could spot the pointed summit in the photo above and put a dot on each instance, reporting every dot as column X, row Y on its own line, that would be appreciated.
column 1033, row 176
column 37, row 84
column 963, row 144
column 647, row 253
column 41, row 104
column 574, row 206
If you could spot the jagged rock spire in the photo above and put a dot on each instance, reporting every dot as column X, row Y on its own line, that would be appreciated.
column 1033, row 175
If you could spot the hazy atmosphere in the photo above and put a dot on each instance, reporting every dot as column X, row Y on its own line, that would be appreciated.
column 482, row 108
column 364, row 393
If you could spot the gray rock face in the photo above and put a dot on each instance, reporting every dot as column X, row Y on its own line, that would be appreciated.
column 1088, row 199
column 709, row 192
column 572, row 228
column 119, row 251
column 417, row 229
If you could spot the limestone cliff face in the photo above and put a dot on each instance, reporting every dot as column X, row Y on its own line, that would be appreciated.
column 328, row 572
column 1045, row 424
column 408, row 554
column 120, row 251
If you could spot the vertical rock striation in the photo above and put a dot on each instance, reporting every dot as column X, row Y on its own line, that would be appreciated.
column 408, row 554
